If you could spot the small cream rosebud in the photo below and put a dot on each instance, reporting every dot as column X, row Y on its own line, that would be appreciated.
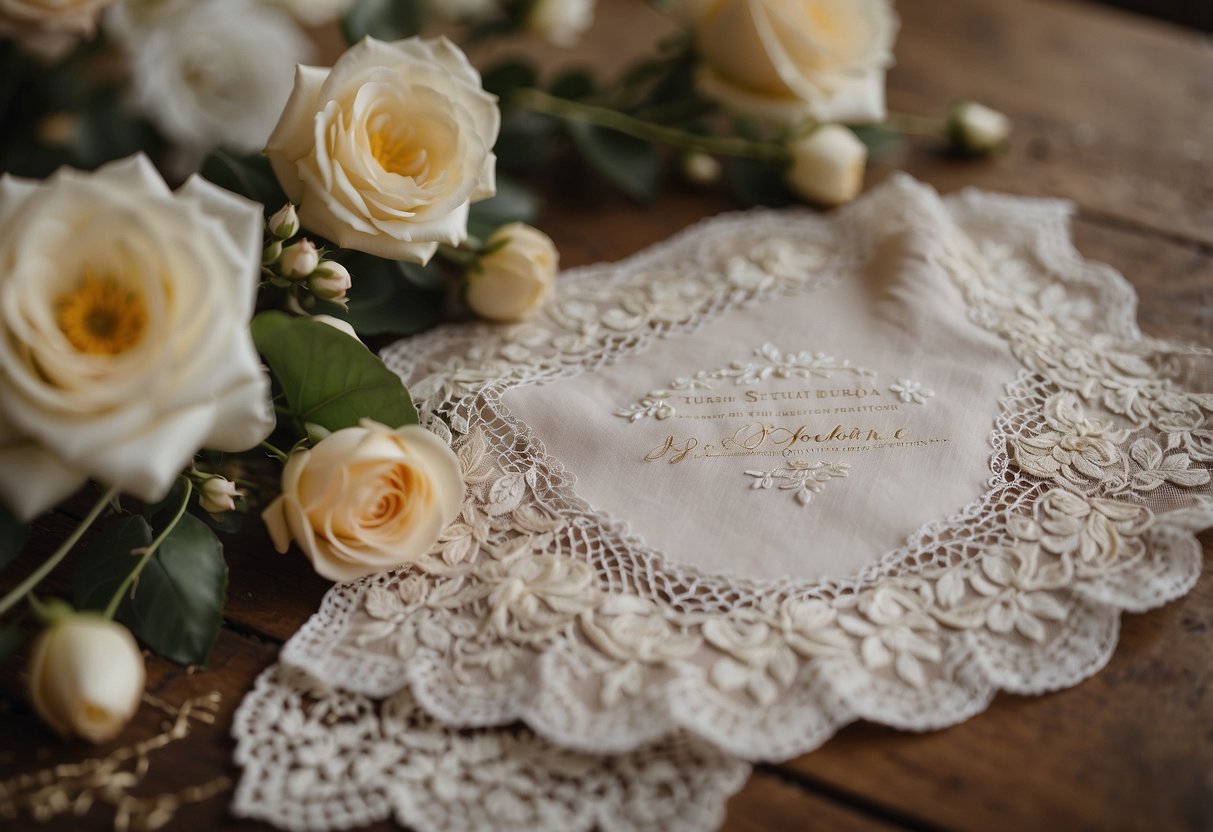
column 86, row 676
column 330, row 281
column 337, row 323
column 976, row 129
column 513, row 280
column 285, row 222
column 561, row 22
column 700, row 168
column 827, row 165
column 218, row 495
column 299, row 260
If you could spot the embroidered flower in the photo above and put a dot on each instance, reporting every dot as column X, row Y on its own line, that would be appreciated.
column 1077, row 451
column 894, row 630
column 911, row 391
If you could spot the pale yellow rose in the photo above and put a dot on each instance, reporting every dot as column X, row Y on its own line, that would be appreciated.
column 795, row 60
column 86, row 677
column 827, row 165
column 513, row 281
column 124, row 337
column 385, row 152
column 49, row 28
column 366, row 499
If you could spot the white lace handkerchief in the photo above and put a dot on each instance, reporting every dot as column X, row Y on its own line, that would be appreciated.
column 786, row 471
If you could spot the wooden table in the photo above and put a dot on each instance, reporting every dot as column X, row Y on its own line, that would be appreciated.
column 1112, row 111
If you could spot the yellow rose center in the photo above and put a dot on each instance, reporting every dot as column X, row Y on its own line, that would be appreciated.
column 101, row 316
column 397, row 153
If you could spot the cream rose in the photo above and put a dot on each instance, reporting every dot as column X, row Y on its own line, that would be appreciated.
column 86, row 676
column 366, row 499
column 385, row 152
column 827, row 165
column 49, row 28
column 795, row 60
column 210, row 73
column 124, row 340
column 513, row 281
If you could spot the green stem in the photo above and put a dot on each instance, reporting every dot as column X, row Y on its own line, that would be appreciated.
column 147, row 553
column 50, row 563
column 276, row 453
column 540, row 102
column 932, row 126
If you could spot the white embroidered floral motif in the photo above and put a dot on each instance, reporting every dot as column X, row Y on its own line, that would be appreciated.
column 911, row 391
column 801, row 477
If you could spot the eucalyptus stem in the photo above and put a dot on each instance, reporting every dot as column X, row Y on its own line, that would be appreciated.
column 540, row 102
column 150, row 550
column 917, row 125
column 35, row 577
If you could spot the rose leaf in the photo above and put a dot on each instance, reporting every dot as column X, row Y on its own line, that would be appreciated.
column 329, row 378
column 176, row 606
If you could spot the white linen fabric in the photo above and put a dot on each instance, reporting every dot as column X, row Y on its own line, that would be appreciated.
column 757, row 599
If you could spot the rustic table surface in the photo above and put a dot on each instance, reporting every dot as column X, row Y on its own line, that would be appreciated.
column 1112, row 111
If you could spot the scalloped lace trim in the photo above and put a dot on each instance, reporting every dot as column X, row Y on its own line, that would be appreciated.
column 535, row 607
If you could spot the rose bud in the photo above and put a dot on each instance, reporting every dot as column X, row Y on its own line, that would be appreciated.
column 299, row 260
column 827, row 165
column 513, row 280
column 218, row 495
column 700, row 168
column 330, row 281
column 976, row 129
column 285, row 222
column 86, row 676
column 561, row 22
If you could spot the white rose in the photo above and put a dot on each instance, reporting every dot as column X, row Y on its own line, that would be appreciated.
column 49, row 28
column 513, row 281
column 977, row 129
column 124, row 340
column 210, row 73
column 821, row 60
column 385, row 152
column 86, row 676
column 366, row 499
column 561, row 22
column 827, row 165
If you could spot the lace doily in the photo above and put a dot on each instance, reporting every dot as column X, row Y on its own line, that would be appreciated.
column 536, row 606
column 315, row 758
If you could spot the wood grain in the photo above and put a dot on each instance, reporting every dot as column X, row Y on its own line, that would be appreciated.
column 1111, row 111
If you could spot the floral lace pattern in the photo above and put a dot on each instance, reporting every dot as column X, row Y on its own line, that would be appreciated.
column 315, row 758
column 535, row 607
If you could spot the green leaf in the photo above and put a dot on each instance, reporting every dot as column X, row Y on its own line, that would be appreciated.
column 390, row 298
column 880, row 141
column 250, row 176
column 329, row 378
column 758, row 183
column 513, row 203
column 382, row 19
column 13, row 536
column 11, row 637
column 176, row 605
column 107, row 560
column 630, row 164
